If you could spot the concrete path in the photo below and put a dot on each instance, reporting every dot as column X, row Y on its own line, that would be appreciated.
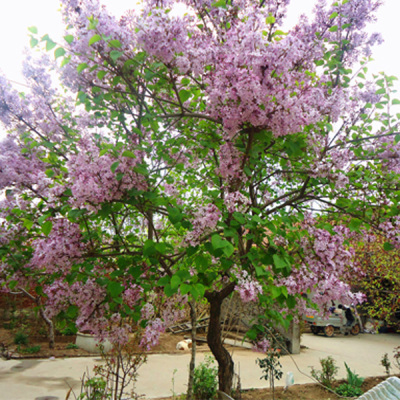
column 51, row 379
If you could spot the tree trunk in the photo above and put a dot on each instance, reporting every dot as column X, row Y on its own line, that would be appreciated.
column 193, row 319
column 50, row 326
column 214, row 341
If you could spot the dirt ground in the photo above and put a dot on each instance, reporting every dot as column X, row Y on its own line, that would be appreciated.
column 297, row 392
column 64, row 348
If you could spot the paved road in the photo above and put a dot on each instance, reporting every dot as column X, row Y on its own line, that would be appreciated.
column 51, row 379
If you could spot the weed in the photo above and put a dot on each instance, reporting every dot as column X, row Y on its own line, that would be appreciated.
column 21, row 338
column 71, row 346
column 353, row 386
column 29, row 350
column 347, row 390
column 329, row 370
column 386, row 363
column 94, row 389
column 396, row 356
column 205, row 380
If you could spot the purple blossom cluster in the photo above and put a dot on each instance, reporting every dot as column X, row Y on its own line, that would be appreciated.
column 327, row 264
column 205, row 220
column 92, row 179
column 60, row 249
column 247, row 287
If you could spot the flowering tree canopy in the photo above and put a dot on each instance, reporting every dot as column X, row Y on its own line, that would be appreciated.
column 195, row 153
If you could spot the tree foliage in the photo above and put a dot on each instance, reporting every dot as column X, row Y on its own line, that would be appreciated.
column 193, row 155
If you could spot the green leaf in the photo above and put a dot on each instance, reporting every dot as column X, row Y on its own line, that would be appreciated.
column 355, row 224
column 270, row 20
column 239, row 217
column 228, row 249
column 388, row 246
column 114, row 289
column 333, row 15
column 33, row 42
column 47, row 227
column 169, row 291
column 184, row 95
column 395, row 101
column 279, row 262
column 28, row 224
column 81, row 67
column 33, row 29
column 185, row 288
column 49, row 173
column 114, row 166
column 185, row 81
column 50, row 44
column 115, row 43
column 115, row 55
column 163, row 281
column 101, row 74
column 220, row 3
column 333, row 28
column 174, row 215
column 69, row 39
column 217, row 242
column 129, row 154
column 59, row 52
column 175, row 281
column 94, row 39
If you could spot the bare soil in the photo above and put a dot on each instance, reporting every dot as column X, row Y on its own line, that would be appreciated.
column 63, row 344
column 309, row 391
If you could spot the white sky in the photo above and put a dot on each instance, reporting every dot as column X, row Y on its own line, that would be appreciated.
column 17, row 15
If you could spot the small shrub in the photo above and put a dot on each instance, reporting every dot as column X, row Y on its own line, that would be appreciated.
column 329, row 370
column 354, row 379
column 353, row 386
column 205, row 380
column 94, row 389
column 347, row 390
column 272, row 369
column 21, row 338
column 396, row 356
column 10, row 325
column 71, row 346
column 386, row 363
column 29, row 350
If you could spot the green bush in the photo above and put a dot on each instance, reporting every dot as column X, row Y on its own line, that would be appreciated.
column 353, row 386
column 94, row 389
column 329, row 370
column 354, row 379
column 29, row 350
column 205, row 380
column 21, row 338
column 347, row 390
column 71, row 346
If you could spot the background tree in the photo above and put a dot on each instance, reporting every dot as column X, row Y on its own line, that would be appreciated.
column 380, row 281
column 193, row 153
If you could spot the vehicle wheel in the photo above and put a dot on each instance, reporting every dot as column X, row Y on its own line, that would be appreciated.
column 314, row 330
column 355, row 330
column 329, row 330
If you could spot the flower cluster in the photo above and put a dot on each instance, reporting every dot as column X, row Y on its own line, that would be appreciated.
column 60, row 249
column 94, row 181
column 205, row 219
column 247, row 287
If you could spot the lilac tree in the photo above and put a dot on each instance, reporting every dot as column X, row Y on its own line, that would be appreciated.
column 196, row 153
